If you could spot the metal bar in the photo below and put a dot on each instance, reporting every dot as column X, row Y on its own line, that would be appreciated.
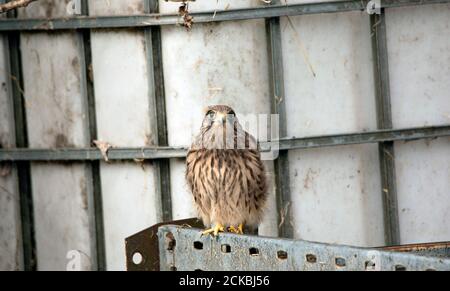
column 158, row 108
column 145, row 20
column 278, row 106
column 183, row 249
column 149, row 153
column 21, row 134
column 97, row 231
column 146, row 244
column 384, row 121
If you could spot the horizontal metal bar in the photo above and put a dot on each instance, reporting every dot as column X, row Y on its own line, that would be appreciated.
column 145, row 20
column 184, row 249
column 164, row 152
column 364, row 137
column 90, row 154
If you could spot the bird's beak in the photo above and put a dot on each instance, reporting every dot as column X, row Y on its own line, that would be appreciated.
column 221, row 118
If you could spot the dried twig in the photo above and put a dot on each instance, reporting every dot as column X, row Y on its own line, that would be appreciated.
column 187, row 18
column 14, row 4
column 302, row 49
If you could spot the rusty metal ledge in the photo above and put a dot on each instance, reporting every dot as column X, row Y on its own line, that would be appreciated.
column 183, row 249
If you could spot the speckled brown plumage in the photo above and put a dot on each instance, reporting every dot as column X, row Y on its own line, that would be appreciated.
column 225, row 173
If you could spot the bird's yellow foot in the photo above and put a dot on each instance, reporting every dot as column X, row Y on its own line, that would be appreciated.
column 215, row 230
column 239, row 230
column 233, row 229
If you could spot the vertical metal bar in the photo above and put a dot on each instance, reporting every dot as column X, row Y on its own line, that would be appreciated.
column 158, row 108
column 384, row 121
column 278, row 106
column 21, row 133
column 97, row 231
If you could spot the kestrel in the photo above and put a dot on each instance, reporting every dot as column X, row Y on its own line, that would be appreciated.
column 225, row 173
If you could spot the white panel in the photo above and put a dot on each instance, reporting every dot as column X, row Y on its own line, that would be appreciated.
column 328, row 74
column 208, row 5
column 131, row 203
column 423, row 181
column 419, row 63
column 115, row 7
column 54, row 107
column 128, row 206
column 10, row 233
column 54, row 102
column 336, row 192
column 45, row 9
column 336, row 195
column 182, row 200
column 219, row 63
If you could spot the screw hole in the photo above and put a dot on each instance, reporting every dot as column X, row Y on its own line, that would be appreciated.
column 254, row 252
column 225, row 248
column 198, row 245
column 173, row 268
column 310, row 258
column 400, row 268
column 198, row 270
column 282, row 255
column 340, row 262
column 430, row 270
column 137, row 258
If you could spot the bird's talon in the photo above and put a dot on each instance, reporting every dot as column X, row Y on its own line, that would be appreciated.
column 214, row 231
column 241, row 229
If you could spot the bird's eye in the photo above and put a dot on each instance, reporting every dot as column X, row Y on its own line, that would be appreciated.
column 211, row 114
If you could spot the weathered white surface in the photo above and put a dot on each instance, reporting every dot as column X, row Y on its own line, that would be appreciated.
column 129, row 206
column 419, row 59
column 336, row 195
column 182, row 200
column 208, row 5
column 423, row 181
column 220, row 63
column 123, row 112
column 45, row 9
column 115, row 7
column 340, row 97
column 336, row 192
column 55, row 116
column 10, row 233
column 419, row 62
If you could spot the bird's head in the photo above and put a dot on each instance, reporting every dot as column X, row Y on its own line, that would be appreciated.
column 220, row 128
column 219, row 115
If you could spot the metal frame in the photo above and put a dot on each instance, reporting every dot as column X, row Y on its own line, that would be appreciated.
column 278, row 106
column 158, row 109
column 167, row 152
column 150, row 23
column 384, row 121
column 95, row 200
column 21, row 141
column 146, row 20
